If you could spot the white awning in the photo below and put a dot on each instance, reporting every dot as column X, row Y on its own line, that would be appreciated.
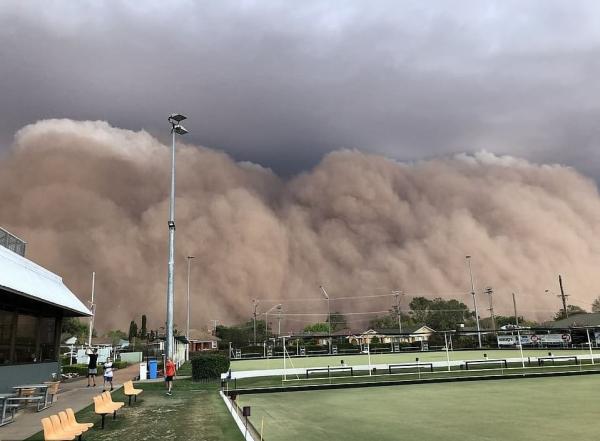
column 24, row 277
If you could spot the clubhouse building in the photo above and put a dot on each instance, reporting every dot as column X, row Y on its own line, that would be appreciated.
column 33, row 303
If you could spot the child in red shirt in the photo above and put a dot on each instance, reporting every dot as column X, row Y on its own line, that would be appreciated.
column 169, row 374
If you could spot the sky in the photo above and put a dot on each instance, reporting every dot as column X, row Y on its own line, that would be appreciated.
column 283, row 83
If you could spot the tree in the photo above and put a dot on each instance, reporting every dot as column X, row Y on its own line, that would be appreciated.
column 439, row 314
column 72, row 327
column 143, row 329
column 390, row 321
column 116, row 335
column 317, row 328
column 596, row 305
column 571, row 309
column 132, row 330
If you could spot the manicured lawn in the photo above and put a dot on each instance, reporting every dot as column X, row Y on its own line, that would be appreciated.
column 195, row 411
column 363, row 359
column 541, row 409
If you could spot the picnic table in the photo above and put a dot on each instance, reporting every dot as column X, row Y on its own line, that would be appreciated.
column 22, row 396
column 4, row 398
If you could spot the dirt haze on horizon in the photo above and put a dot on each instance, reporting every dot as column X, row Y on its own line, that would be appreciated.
column 90, row 197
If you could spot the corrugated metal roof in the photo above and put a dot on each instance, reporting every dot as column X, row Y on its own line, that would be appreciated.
column 24, row 277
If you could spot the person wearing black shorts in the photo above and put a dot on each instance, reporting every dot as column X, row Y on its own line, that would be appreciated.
column 92, row 366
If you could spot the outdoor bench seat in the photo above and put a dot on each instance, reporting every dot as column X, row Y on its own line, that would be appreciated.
column 130, row 391
column 51, row 434
column 103, row 409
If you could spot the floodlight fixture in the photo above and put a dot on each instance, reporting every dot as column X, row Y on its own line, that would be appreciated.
column 179, row 129
column 176, row 117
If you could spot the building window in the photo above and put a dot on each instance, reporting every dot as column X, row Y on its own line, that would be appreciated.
column 47, row 339
column 25, row 350
column 6, row 323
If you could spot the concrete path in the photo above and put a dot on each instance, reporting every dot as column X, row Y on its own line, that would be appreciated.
column 75, row 395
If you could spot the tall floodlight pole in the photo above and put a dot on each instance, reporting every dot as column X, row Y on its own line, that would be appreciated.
column 328, row 313
column 176, row 129
column 93, row 309
column 187, row 326
column 474, row 301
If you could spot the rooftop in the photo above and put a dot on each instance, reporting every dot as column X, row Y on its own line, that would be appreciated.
column 24, row 277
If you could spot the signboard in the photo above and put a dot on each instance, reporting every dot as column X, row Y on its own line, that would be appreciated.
column 511, row 340
column 103, row 354
column 303, row 351
column 334, row 350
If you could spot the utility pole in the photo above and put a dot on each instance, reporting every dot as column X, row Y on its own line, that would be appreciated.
column 93, row 309
column 255, row 303
column 515, row 306
column 398, row 313
column 279, row 322
column 474, row 301
column 563, row 296
column 489, row 291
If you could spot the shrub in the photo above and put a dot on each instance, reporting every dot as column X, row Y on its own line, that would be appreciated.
column 209, row 366
column 80, row 369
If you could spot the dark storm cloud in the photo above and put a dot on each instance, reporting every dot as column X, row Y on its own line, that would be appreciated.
column 281, row 83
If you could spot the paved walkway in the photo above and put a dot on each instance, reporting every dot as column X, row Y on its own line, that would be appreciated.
column 75, row 395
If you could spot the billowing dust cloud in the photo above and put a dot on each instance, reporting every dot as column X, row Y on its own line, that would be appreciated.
column 90, row 197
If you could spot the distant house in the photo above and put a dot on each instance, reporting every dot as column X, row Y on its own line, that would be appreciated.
column 202, row 341
column 33, row 303
column 409, row 334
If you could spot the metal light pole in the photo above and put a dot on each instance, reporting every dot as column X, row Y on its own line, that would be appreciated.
column 328, row 314
column 474, row 301
column 176, row 128
column 255, row 303
column 187, row 327
column 93, row 309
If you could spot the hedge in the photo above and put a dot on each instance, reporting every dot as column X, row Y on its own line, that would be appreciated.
column 209, row 366
column 82, row 369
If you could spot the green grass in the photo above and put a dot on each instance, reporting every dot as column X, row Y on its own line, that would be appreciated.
column 363, row 359
column 548, row 409
column 195, row 411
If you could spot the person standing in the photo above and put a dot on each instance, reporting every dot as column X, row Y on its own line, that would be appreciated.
column 169, row 374
column 92, row 365
column 108, row 373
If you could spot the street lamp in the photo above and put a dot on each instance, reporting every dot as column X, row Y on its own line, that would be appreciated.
column 176, row 128
column 187, row 327
column 474, row 300
column 328, row 313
